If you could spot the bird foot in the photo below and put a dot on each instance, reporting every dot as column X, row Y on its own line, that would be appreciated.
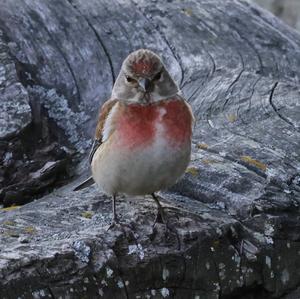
column 160, row 217
column 114, row 224
column 170, row 228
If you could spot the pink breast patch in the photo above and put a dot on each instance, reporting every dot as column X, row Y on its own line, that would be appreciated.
column 137, row 125
column 177, row 122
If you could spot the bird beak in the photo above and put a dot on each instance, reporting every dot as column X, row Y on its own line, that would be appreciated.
column 145, row 84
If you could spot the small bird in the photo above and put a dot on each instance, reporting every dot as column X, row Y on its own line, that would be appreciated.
column 143, row 137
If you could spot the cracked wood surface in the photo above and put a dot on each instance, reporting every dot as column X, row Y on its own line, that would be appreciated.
column 237, row 233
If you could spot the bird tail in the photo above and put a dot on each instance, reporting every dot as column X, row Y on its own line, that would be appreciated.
column 88, row 182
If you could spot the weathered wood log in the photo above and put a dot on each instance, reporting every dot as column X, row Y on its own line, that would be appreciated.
column 236, row 234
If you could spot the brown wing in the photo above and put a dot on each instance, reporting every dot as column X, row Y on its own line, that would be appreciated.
column 104, row 112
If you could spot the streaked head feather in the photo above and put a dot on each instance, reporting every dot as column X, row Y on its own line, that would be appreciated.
column 143, row 64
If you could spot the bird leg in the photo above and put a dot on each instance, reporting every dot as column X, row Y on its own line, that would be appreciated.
column 160, row 216
column 115, row 219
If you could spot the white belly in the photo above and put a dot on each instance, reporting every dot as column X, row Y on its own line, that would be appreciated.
column 141, row 171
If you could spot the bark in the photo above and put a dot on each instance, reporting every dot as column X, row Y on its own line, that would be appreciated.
column 236, row 232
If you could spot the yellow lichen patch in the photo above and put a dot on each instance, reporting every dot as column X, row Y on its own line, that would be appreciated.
column 202, row 146
column 9, row 208
column 187, row 11
column 9, row 223
column 29, row 230
column 192, row 170
column 210, row 161
column 254, row 162
column 87, row 214
column 232, row 117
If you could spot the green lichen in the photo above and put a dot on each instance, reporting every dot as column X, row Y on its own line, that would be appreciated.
column 192, row 170
column 87, row 214
column 254, row 162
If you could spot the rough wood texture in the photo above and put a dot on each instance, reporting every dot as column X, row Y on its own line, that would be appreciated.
column 238, row 235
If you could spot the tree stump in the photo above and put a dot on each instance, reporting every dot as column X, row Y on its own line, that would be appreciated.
column 237, row 230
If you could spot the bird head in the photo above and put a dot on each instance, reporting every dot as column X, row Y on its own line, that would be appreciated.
column 143, row 78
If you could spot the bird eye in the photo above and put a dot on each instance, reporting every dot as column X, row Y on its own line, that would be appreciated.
column 130, row 80
column 157, row 76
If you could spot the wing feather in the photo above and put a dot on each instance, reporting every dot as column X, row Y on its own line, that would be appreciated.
column 98, row 139
column 99, row 133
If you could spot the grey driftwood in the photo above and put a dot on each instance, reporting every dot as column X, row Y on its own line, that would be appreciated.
column 237, row 234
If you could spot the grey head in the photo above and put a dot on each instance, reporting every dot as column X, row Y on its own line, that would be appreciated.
column 143, row 78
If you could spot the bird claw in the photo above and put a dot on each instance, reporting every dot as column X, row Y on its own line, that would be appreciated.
column 160, row 217
column 114, row 224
